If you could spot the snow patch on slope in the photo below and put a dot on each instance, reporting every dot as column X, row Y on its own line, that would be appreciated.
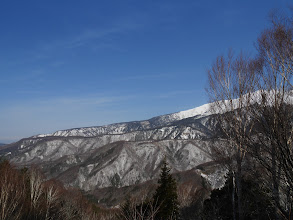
column 200, row 111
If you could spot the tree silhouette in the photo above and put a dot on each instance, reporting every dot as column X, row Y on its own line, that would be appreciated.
column 165, row 196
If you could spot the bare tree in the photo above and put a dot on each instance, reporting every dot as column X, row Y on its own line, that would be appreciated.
column 52, row 195
column 188, row 193
column 232, row 85
column 36, row 190
column 139, row 208
column 11, row 193
column 273, row 145
column 254, row 99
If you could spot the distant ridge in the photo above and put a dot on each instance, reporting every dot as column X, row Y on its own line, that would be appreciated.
column 156, row 122
column 125, row 127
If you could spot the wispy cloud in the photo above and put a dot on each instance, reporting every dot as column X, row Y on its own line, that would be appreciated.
column 36, row 73
column 33, row 76
column 85, row 101
column 174, row 94
column 94, row 38
column 90, row 35
column 147, row 76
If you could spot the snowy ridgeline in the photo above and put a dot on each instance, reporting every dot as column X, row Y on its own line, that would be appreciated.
column 127, row 127
column 166, row 120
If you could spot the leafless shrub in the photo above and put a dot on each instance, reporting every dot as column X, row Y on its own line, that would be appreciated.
column 11, row 193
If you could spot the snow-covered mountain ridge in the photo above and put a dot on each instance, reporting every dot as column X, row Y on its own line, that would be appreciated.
column 168, row 119
column 125, row 153
column 126, row 127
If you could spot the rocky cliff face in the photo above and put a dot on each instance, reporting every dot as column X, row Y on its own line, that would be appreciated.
column 120, row 154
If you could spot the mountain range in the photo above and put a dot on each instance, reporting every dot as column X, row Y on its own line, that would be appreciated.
column 123, row 155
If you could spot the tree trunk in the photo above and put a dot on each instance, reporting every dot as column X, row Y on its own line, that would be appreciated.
column 233, row 197
column 239, row 189
column 275, row 183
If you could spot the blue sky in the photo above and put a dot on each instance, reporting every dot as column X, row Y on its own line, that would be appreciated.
column 68, row 64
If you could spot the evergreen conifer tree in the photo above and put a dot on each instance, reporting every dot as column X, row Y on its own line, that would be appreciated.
column 165, row 196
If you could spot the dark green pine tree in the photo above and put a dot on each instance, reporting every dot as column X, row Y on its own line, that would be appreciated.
column 165, row 196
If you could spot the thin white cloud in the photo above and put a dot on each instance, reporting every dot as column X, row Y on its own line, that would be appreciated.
column 35, row 75
column 174, row 94
column 91, row 35
column 85, row 101
column 88, row 36
column 147, row 77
